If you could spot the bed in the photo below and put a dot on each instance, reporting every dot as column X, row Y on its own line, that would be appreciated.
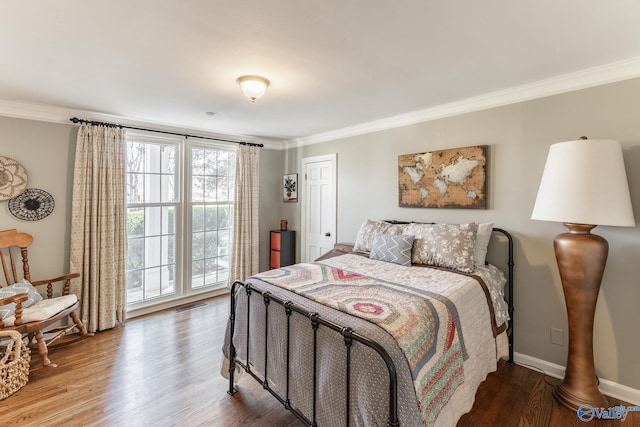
column 398, row 329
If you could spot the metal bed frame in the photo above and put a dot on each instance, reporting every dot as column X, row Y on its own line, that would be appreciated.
column 348, row 334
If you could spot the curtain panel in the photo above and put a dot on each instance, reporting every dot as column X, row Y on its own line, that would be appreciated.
column 245, row 255
column 98, row 233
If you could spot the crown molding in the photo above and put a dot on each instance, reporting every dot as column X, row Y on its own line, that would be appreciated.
column 53, row 114
column 596, row 76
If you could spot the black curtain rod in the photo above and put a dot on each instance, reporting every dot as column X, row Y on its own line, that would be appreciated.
column 186, row 135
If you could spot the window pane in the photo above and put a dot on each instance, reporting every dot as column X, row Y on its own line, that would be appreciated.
column 211, row 271
column 210, row 189
column 152, row 188
column 223, row 269
column 135, row 187
column 197, row 218
column 167, row 183
column 152, row 251
column 168, row 165
column 135, row 157
column 232, row 188
column 210, row 161
column 211, row 221
column 168, row 282
column 197, row 246
column 168, row 220
column 135, row 222
column 197, row 274
column 225, row 216
column 197, row 161
column 135, row 253
column 134, row 286
column 223, row 189
column 153, row 159
column 197, row 189
column 168, row 250
column 223, row 163
column 152, row 282
column 153, row 219
column 224, row 242
column 210, row 244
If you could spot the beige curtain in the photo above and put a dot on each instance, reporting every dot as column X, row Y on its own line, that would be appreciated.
column 98, row 232
column 244, row 259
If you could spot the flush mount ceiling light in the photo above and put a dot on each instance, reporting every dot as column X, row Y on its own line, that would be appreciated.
column 253, row 87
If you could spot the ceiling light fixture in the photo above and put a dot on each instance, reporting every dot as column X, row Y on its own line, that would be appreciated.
column 253, row 87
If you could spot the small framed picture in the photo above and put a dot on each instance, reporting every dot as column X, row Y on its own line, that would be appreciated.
column 290, row 187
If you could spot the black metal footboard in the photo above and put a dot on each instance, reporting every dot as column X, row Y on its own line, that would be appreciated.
column 315, row 321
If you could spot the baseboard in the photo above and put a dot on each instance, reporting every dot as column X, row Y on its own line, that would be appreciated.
column 173, row 303
column 607, row 387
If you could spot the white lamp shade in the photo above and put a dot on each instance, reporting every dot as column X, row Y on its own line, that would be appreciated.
column 253, row 87
column 585, row 182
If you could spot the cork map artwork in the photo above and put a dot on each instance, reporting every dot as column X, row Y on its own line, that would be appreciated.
column 454, row 178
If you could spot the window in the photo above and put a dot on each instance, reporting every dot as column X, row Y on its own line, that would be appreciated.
column 212, row 184
column 179, row 235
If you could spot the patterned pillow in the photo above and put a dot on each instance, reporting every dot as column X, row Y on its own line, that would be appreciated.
column 392, row 248
column 482, row 241
column 444, row 245
column 21, row 287
column 367, row 232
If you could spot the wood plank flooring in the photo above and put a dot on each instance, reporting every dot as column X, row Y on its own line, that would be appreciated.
column 163, row 370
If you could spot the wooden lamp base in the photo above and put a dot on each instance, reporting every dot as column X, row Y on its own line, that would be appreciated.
column 581, row 258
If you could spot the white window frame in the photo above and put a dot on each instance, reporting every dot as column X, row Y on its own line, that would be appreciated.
column 183, row 292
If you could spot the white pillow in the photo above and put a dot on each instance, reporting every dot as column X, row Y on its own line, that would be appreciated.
column 482, row 241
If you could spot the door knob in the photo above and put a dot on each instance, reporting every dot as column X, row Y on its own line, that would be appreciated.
column 327, row 234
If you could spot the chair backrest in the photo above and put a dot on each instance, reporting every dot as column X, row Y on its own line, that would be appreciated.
column 14, row 248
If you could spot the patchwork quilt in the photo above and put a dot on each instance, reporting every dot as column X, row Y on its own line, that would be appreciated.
column 425, row 324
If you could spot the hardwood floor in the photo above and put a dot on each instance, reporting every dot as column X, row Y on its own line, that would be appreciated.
column 163, row 370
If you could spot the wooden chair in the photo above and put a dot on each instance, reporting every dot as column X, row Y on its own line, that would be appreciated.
column 32, row 318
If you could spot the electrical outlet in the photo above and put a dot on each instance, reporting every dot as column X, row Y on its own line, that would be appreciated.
column 557, row 336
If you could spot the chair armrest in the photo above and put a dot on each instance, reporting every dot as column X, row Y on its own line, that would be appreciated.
column 18, row 299
column 50, row 282
column 57, row 279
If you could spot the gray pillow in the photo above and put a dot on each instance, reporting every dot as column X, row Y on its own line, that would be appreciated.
column 21, row 287
column 392, row 248
column 444, row 245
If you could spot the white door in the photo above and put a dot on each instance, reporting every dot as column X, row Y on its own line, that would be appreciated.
column 318, row 206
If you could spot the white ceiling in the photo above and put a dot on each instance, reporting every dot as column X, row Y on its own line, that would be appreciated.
column 332, row 63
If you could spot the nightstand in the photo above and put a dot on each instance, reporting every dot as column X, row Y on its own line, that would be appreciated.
column 283, row 248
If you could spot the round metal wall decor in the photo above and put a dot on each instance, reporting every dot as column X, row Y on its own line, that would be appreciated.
column 32, row 205
column 13, row 178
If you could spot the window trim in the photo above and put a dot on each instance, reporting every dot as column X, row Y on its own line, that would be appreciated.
column 184, row 293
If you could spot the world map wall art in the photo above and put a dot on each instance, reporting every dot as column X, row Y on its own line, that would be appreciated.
column 454, row 178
